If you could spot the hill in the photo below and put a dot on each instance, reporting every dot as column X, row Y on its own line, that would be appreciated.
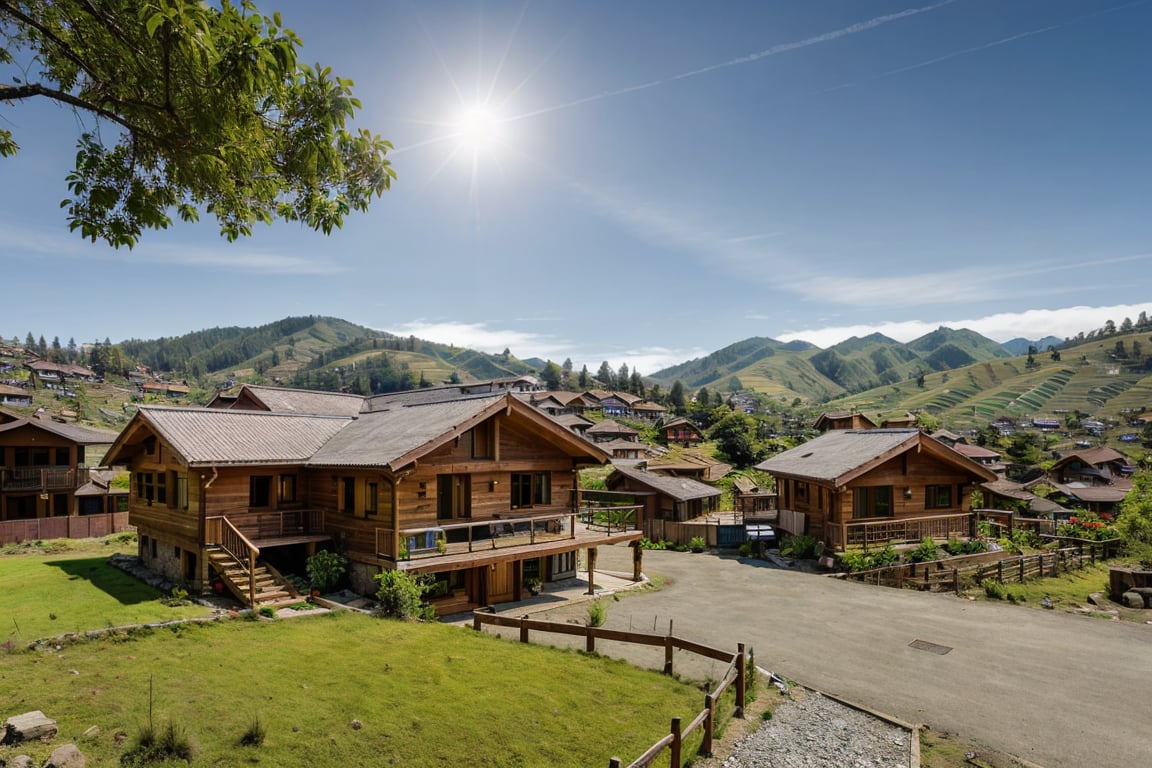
column 801, row 370
column 318, row 352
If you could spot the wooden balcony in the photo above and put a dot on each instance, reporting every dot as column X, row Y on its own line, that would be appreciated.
column 277, row 527
column 42, row 479
column 880, row 532
column 509, row 537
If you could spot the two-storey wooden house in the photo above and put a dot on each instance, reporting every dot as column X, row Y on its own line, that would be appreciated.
column 479, row 490
column 876, row 486
column 42, row 465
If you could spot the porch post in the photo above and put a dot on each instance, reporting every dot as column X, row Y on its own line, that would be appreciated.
column 637, row 561
column 592, row 551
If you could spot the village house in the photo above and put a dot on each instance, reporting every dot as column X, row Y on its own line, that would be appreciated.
column 852, row 488
column 1093, row 479
column 681, row 431
column 43, row 465
column 675, row 499
column 830, row 420
column 479, row 490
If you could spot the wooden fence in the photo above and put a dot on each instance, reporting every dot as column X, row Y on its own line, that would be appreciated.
column 705, row 721
column 70, row 527
column 957, row 573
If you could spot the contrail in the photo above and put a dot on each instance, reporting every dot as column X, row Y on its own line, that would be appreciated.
column 986, row 46
column 826, row 37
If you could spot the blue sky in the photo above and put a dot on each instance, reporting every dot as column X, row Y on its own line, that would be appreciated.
column 646, row 182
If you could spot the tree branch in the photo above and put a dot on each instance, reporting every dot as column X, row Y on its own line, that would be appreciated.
column 28, row 90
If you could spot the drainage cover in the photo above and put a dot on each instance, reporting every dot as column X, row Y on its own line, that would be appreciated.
column 924, row 645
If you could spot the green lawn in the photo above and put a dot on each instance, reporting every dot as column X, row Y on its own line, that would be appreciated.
column 425, row 694
column 69, row 587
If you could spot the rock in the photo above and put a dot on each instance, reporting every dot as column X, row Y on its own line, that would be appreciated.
column 92, row 732
column 1098, row 598
column 23, row 761
column 1133, row 599
column 357, row 725
column 65, row 756
column 28, row 726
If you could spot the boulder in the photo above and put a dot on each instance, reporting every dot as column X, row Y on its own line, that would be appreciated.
column 28, row 727
column 22, row 761
column 65, row 756
column 1132, row 599
column 1098, row 598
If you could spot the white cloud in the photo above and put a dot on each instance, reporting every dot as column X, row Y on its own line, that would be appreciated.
column 1002, row 326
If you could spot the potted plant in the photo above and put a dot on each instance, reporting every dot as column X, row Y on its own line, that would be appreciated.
column 533, row 585
column 325, row 569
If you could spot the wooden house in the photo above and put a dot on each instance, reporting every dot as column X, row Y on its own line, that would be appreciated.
column 872, row 487
column 681, row 431
column 830, row 420
column 675, row 499
column 17, row 396
column 478, row 490
column 609, row 430
column 43, row 465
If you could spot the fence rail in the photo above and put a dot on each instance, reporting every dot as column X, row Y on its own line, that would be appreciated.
column 71, row 527
column 704, row 721
column 956, row 574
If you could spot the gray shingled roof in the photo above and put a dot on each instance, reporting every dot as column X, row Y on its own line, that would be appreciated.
column 611, row 427
column 75, row 433
column 679, row 488
column 835, row 453
column 207, row 436
column 379, row 438
column 286, row 400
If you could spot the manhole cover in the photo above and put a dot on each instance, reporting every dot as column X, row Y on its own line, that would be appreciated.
column 924, row 645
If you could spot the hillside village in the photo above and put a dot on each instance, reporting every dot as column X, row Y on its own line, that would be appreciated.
column 535, row 460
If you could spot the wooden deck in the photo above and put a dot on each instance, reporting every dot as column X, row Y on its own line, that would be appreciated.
column 513, row 547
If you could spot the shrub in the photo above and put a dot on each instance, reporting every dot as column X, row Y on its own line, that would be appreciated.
column 325, row 569
column 402, row 595
column 697, row 544
column 994, row 590
column 926, row 552
column 801, row 547
column 655, row 545
column 865, row 561
column 956, row 547
column 597, row 613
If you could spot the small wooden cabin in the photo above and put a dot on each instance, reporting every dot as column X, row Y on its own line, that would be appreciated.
column 876, row 486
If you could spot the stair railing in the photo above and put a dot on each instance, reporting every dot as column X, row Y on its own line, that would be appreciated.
column 220, row 531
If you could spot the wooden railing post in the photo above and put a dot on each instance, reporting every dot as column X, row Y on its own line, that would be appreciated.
column 476, row 621
column 668, row 654
column 614, row 762
column 523, row 631
column 590, row 638
column 709, row 723
column 741, row 682
column 677, row 743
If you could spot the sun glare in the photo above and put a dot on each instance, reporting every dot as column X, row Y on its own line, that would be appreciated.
column 479, row 127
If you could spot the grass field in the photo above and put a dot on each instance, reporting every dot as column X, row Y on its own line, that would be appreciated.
column 424, row 694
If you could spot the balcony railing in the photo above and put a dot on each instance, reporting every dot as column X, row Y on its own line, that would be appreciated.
column 479, row 536
column 258, row 524
column 42, row 479
column 896, row 531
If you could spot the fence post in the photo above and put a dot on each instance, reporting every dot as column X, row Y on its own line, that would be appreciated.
column 614, row 762
column 677, row 744
column 523, row 631
column 590, row 639
column 1000, row 571
column 956, row 580
column 709, row 722
column 476, row 621
column 1022, row 566
column 668, row 654
column 741, row 682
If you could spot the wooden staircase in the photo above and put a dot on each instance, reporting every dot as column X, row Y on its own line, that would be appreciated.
column 262, row 587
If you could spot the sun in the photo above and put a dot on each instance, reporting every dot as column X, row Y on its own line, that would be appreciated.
column 479, row 127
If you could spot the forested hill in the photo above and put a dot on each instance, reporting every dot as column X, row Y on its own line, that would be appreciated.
column 320, row 352
column 799, row 369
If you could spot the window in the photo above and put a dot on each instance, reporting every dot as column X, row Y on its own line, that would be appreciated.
column 938, row 497
column 484, row 440
column 179, row 491
column 348, row 495
column 260, row 491
column 151, row 487
column 286, row 493
column 371, row 494
column 453, row 496
column 875, row 501
column 531, row 489
column 802, row 493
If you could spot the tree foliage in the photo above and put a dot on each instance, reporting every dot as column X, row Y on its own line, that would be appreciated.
column 211, row 112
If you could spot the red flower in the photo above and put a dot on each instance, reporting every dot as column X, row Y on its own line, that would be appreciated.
column 1074, row 520
column 1106, row 516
